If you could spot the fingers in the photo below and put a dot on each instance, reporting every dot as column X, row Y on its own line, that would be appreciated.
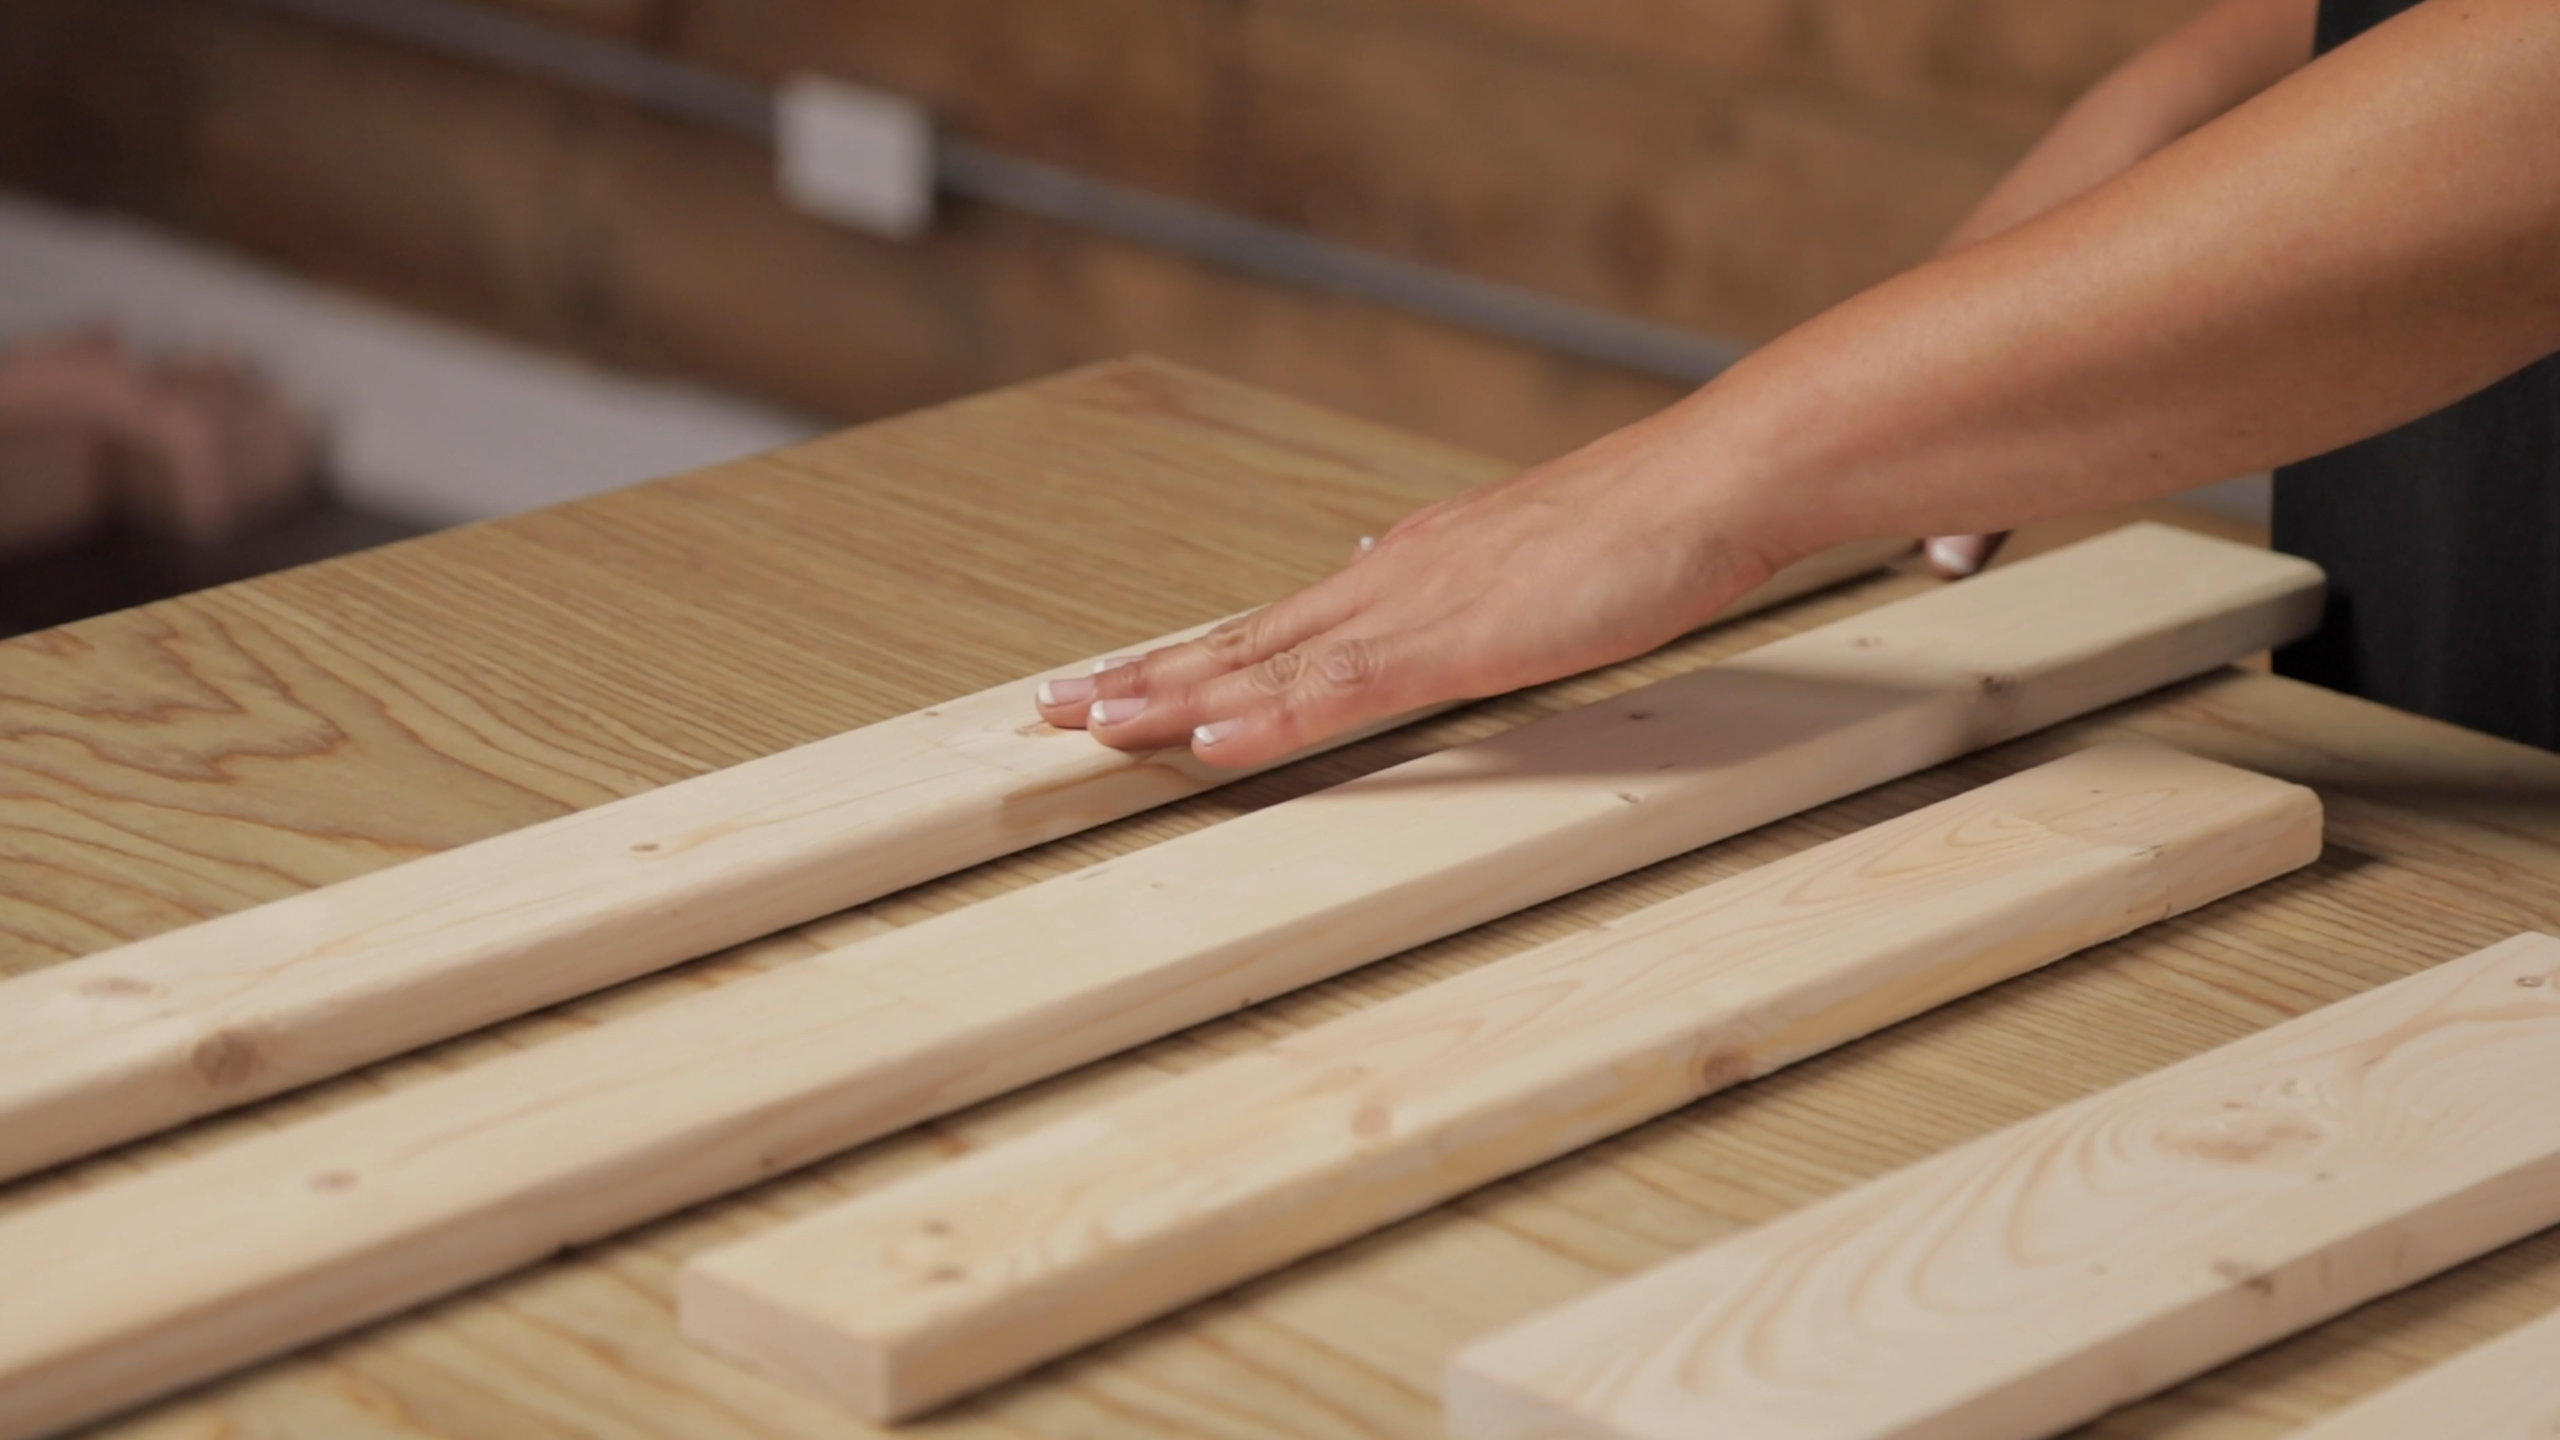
column 1284, row 702
column 1952, row 557
column 264, row 446
column 197, row 443
column 1148, row 691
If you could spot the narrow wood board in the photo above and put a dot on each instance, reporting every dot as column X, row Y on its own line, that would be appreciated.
column 897, row 1302
column 2041, row 1276
column 231, row 747
column 275, row 1241
column 148, row 1035
column 2508, row 1389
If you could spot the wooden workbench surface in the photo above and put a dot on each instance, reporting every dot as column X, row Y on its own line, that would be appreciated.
column 194, row 757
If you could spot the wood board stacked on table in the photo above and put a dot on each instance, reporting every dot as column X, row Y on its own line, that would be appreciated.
column 2508, row 1389
column 349, row 1217
column 2041, row 1276
column 203, row 711
column 151, row 1034
column 931, row 1289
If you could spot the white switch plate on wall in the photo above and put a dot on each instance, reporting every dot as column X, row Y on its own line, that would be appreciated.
column 854, row 155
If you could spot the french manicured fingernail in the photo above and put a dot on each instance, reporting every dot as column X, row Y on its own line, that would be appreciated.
column 1208, row 735
column 1117, row 712
column 1054, row 693
column 1114, row 663
column 1954, row 556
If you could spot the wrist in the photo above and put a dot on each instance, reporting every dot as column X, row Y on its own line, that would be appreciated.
column 1732, row 481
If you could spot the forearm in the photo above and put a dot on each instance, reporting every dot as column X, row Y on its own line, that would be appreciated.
column 2194, row 75
column 2367, row 241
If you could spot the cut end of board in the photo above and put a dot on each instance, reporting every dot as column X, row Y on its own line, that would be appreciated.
column 1480, row 1407
column 728, row 1313
column 2507, row 1389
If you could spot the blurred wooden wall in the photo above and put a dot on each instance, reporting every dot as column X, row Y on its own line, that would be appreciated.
column 1726, row 165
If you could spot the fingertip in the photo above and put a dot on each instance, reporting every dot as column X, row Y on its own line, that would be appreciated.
column 1953, row 557
column 1066, row 693
column 1233, row 744
column 1063, row 701
column 1111, row 714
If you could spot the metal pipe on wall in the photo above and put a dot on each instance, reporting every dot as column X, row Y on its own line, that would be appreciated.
column 974, row 172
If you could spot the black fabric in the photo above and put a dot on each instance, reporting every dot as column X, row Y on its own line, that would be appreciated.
column 2442, row 543
column 2344, row 20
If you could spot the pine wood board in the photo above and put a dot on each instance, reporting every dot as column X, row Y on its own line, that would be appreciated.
column 196, row 757
column 2508, row 1389
column 353, row 1216
column 118, row 1044
column 130, row 1040
column 895, row 1303
column 2041, row 1276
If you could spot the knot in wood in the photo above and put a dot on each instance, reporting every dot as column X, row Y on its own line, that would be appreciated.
column 225, row 1059
column 117, row 987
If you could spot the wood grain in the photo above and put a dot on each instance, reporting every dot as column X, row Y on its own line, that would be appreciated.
column 356, row 1215
column 199, row 756
column 119, row 1044
column 246, row 743
column 2038, row 1277
column 898, row 1302
column 135, row 1039
column 2508, row 1389
column 146, row 1035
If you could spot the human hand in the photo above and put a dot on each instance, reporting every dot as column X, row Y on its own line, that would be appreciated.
column 195, row 444
column 1953, row 557
column 1604, row 554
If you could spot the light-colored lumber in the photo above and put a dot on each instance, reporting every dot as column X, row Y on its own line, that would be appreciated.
column 130, row 1040
column 2507, row 1389
column 147, row 1283
column 905, row 1298
column 144, row 1036
column 2036, row 1278
column 883, row 571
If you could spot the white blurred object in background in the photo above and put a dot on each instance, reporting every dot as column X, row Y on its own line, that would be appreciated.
column 420, row 419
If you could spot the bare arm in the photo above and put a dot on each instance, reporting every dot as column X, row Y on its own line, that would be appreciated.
column 2190, row 77
column 2194, row 75
column 2367, row 241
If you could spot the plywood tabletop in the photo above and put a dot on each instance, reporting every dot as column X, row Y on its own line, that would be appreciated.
column 194, row 757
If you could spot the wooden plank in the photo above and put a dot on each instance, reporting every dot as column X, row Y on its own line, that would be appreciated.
column 131, row 1040
column 2508, row 1389
column 808, row 578
column 903, row 1299
column 2040, row 1276
column 145, row 1284
column 144, row 1036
